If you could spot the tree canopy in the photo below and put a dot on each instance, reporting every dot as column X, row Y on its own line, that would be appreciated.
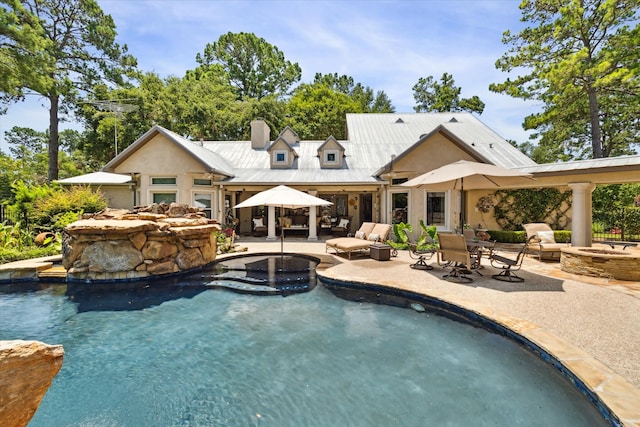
column 581, row 59
column 254, row 67
column 433, row 96
column 73, row 42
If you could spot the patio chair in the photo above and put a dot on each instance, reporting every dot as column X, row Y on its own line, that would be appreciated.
column 540, row 239
column 421, row 255
column 508, row 266
column 259, row 226
column 453, row 253
column 343, row 227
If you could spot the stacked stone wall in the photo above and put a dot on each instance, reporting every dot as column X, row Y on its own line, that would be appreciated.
column 122, row 245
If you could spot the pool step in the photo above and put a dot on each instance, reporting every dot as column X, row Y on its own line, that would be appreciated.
column 57, row 272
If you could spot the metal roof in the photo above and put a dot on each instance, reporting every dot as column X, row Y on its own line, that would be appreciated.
column 607, row 163
column 98, row 178
column 395, row 133
column 372, row 140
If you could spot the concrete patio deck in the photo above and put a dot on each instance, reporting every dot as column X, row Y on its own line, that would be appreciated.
column 590, row 324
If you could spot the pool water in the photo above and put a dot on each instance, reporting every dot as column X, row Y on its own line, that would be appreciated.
column 220, row 358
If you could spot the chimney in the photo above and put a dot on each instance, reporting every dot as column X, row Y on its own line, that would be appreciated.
column 260, row 133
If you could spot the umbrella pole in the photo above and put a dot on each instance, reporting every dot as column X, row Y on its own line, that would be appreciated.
column 281, row 236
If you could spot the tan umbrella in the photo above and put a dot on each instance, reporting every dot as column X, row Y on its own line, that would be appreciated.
column 283, row 197
column 470, row 175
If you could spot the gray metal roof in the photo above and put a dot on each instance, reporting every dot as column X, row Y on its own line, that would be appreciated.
column 395, row 133
column 373, row 138
column 608, row 163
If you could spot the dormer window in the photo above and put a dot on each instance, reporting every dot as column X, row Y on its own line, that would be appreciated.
column 331, row 154
column 331, row 157
column 280, row 157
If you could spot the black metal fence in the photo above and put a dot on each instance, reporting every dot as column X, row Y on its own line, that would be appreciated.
column 622, row 224
column 8, row 215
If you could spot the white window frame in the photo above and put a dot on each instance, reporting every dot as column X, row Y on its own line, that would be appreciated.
column 390, row 203
column 210, row 182
column 336, row 153
column 151, row 183
column 447, row 209
column 280, row 162
column 211, row 194
column 158, row 191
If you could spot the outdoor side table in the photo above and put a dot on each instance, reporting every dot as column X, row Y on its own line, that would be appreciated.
column 380, row 252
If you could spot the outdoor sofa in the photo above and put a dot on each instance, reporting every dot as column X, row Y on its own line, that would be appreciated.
column 368, row 234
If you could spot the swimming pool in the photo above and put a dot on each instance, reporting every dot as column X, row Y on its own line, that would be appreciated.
column 184, row 354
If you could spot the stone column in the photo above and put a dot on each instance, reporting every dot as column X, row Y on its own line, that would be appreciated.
column 581, row 213
column 271, row 223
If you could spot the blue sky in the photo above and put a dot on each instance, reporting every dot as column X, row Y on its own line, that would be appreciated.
column 386, row 45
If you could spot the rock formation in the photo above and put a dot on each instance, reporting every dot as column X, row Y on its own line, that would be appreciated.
column 123, row 245
column 27, row 369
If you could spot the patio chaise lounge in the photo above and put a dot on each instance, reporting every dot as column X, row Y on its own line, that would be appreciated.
column 368, row 234
column 540, row 239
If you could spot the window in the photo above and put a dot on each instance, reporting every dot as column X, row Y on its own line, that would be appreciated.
column 203, row 201
column 399, row 207
column 201, row 182
column 164, row 197
column 436, row 211
column 158, row 180
column 331, row 156
column 280, row 156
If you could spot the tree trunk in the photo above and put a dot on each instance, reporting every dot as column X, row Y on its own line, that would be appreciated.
column 594, row 119
column 53, row 137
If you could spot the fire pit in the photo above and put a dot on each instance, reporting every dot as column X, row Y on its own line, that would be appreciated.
column 601, row 262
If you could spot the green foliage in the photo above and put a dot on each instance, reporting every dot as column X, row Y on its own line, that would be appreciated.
column 516, row 207
column 503, row 236
column 61, row 48
column 316, row 111
column 254, row 67
column 62, row 205
column 400, row 232
column 52, row 207
column 581, row 62
column 363, row 95
column 431, row 96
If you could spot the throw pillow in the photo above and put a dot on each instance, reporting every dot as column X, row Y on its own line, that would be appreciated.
column 343, row 223
column 546, row 236
column 257, row 222
column 360, row 235
column 373, row 237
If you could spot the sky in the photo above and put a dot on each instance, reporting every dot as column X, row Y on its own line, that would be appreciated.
column 385, row 44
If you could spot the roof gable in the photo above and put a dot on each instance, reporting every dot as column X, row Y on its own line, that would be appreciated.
column 282, row 154
column 331, row 154
column 211, row 161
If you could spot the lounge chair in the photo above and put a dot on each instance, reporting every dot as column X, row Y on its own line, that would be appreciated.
column 453, row 253
column 540, row 239
column 368, row 234
column 421, row 255
column 508, row 266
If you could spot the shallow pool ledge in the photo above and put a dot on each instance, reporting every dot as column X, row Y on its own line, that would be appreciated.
column 617, row 400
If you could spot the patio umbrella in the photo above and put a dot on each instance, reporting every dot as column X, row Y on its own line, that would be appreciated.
column 283, row 197
column 470, row 175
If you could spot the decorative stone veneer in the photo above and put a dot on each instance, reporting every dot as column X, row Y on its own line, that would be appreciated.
column 601, row 262
column 122, row 245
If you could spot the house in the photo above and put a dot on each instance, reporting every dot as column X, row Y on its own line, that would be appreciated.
column 360, row 175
